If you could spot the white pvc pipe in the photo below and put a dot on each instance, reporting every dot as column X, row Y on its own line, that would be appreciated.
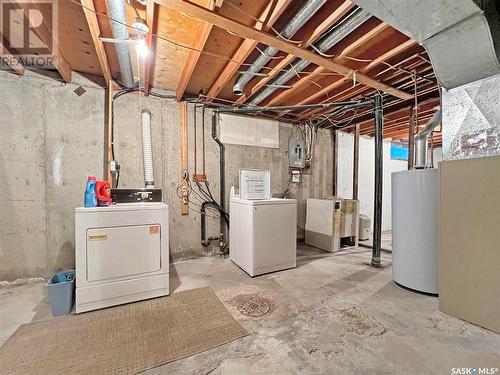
column 147, row 149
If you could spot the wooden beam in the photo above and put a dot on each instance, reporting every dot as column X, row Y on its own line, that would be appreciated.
column 320, row 30
column 194, row 55
column 389, row 54
column 45, row 35
column 363, row 39
column 296, row 86
column 95, row 33
column 183, row 162
column 246, row 48
column 246, row 32
column 108, row 118
column 149, row 61
column 331, row 20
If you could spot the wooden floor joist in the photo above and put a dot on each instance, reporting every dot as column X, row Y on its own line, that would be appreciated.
column 95, row 32
column 45, row 34
column 333, row 18
column 149, row 61
column 246, row 32
column 247, row 46
column 336, row 84
column 194, row 55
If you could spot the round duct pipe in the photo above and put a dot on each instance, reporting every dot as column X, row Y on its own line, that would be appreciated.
column 147, row 149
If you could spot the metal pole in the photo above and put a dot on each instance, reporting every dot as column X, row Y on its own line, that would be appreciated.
column 377, row 207
column 222, row 160
column 411, row 139
column 355, row 165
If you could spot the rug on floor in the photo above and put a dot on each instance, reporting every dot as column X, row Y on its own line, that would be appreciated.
column 125, row 339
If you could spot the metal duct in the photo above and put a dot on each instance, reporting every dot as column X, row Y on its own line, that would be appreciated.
column 422, row 141
column 350, row 23
column 147, row 149
column 461, row 37
column 116, row 10
column 298, row 20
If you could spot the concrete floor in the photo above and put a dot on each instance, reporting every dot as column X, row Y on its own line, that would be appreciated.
column 386, row 241
column 333, row 314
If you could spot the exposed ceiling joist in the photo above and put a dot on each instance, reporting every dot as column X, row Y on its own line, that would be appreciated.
column 150, row 59
column 333, row 18
column 355, row 45
column 246, row 47
column 391, row 53
column 363, row 39
column 194, row 55
column 246, row 32
column 334, row 85
column 45, row 35
column 95, row 32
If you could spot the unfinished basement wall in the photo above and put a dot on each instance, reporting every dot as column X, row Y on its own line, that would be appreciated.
column 366, row 174
column 52, row 140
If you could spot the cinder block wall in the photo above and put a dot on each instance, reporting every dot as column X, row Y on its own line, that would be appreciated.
column 52, row 139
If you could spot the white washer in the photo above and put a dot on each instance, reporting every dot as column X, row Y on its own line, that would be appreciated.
column 121, row 254
column 263, row 234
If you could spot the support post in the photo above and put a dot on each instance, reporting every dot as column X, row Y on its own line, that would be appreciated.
column 355, row 165
column 377, row 207
column 431, row 150
column 411, row 138
column 335, row 151
column 108, row 128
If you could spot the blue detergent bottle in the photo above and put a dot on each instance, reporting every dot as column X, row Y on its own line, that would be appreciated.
column 90, row 199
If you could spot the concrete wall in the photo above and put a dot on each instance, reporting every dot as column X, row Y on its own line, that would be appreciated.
column 52, row 140
column 366, row 174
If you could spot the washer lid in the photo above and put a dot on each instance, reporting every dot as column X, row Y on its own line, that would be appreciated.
column 264, row 202
column 124, row 207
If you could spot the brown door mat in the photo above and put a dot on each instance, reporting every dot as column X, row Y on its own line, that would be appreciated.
column 125, row 339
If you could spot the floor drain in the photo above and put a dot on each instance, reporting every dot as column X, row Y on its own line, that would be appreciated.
column 254, row 306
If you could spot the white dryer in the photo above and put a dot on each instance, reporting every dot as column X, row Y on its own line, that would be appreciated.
column 263, row 234
column 121, row 254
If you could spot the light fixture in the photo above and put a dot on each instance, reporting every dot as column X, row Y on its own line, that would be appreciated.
column 142, row 48
column 140, row 25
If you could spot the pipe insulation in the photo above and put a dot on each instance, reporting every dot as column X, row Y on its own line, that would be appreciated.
column 147, row 149
column 118, row 16
column 335, row 35
column 298, row 20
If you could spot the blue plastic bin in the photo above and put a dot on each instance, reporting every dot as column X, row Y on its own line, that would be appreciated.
column 61, row 292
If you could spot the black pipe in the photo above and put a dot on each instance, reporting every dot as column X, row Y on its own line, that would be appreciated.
column 351, row 104
column 222, row 163
column 377, row 206
column 204, row 241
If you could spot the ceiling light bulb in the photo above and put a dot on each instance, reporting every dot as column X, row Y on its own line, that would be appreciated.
column 142, row 48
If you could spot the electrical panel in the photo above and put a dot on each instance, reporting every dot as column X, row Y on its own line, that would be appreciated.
column 296, row 153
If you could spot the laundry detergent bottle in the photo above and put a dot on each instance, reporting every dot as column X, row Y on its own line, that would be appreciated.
column 90, row 199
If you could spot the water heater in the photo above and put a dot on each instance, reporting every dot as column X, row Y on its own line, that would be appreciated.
column 415, row 229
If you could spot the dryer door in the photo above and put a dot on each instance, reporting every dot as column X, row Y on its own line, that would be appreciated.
column 123, row 252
